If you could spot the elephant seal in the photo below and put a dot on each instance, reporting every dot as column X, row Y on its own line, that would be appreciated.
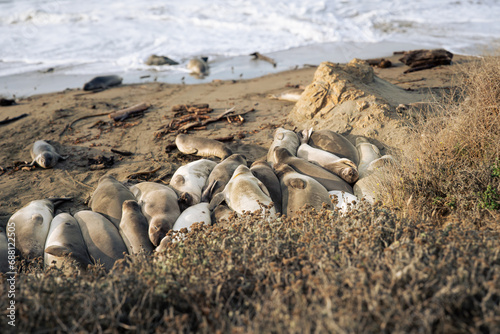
column 44, row 154
column 155, row 60
column 342, row 167
column 329, row 180
column 222, row 215
column 265, row 173
column 292, row 95
column 188, row 181
column 244, row 192
column 203, row 147
column 103, row 82
column 108, row 198
column 65, row 243
column 343, row 200
column 286, row 139
column 198, row 213
column 159, row 206
column 104, row 243
column 32, row 223
column 299, row 190
column 335, row 143
column 134, row 228
column 4, row 252
column 198, row 66
column 369, row 157
column 220, row 176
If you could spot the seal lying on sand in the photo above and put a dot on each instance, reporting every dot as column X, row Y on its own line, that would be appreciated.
column 188, row 181
column 103, row 82
column 104, row 243
column 159, row 206
column 299, row 190
column 329, row 180
column 44, row 154
column 335, row 143
column 244, row 192
column 292, row 95
column 134, row 228
column 65, row 243
column 265, row 173
column 342, row 167
column 203, row 147
column 286, row 139
column 108, row 198
column 220, row 176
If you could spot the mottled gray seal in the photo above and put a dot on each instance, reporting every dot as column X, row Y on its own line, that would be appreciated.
column 134, row 228
column 203, row 147
column 104, row 243
column 220, row 176
column 283, row 138
column 32, row 223
column 103, row 82
column 265, row 173
column 299, row 190
column 159, row 206
column 108, row 198
column 329, row 180
column 342, row 167
column 44, row 154
column 244, row 192
column 188, row 181
column 65, row 243
column 335, row 143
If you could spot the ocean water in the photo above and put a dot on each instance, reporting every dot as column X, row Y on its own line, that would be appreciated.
column 87, row 38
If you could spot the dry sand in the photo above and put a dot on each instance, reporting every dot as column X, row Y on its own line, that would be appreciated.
column 93, row 137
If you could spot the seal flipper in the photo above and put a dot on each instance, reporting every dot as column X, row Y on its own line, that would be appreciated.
column 263, row 188
column 216, row 200
column 208, row 193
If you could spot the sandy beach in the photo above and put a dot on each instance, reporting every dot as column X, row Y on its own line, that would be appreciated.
column 95, row 137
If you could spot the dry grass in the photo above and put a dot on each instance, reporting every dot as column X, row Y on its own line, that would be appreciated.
column 451, row 163
column 368, row 272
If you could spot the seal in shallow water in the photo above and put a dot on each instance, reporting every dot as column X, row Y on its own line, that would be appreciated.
column 198, row 66
column 203, row 147
column 103, row 82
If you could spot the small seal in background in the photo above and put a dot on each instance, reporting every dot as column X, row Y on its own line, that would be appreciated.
column 198, row 67
column 103, row 82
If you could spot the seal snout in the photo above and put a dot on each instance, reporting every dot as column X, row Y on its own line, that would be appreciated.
column 350, row 174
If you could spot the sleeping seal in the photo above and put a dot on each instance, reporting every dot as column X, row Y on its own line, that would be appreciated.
column 134, row 228
column 265, row 173
column 286, row 139
column 203, row 147
column 159, row 206
column 299, row 190
column 198, row 213
column 335, row 143
column 329, row 180
column 188, row 181
column 103, row 82
column 198, row 67
column 65, row 243
column 108, row 198
column 104, row 243
column 342, row 167
column 220, row 176
column 244, row 192
column 44, row 154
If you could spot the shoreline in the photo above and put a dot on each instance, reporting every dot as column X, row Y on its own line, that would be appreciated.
column 221, row 68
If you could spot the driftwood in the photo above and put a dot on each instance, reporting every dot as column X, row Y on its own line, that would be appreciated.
column 7, row 102
column 124, row 153
column 259, row 56
column 423, row 59
column 13, row 119
column 120, row 115
column 143, row 173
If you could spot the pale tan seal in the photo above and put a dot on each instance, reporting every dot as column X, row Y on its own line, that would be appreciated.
column 198, row 66
column 203, row 147
column 369, row 157
column 220, row 176
column 300, row 190
column 335, row 143
column 291, row 95
column 265, row 173
column 329, row 180
column 159, row 206
column 65, row 244
column 108, row 198
column 286, row 139
column 244, row 192
column 134, row 228
column 32, row 223
column 104, row 243
column 188, row 181
column 44, row 154
column 342, row 167
column 4, row 252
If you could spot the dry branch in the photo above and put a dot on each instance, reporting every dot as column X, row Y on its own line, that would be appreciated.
column 120, row 115
column 13, row 119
